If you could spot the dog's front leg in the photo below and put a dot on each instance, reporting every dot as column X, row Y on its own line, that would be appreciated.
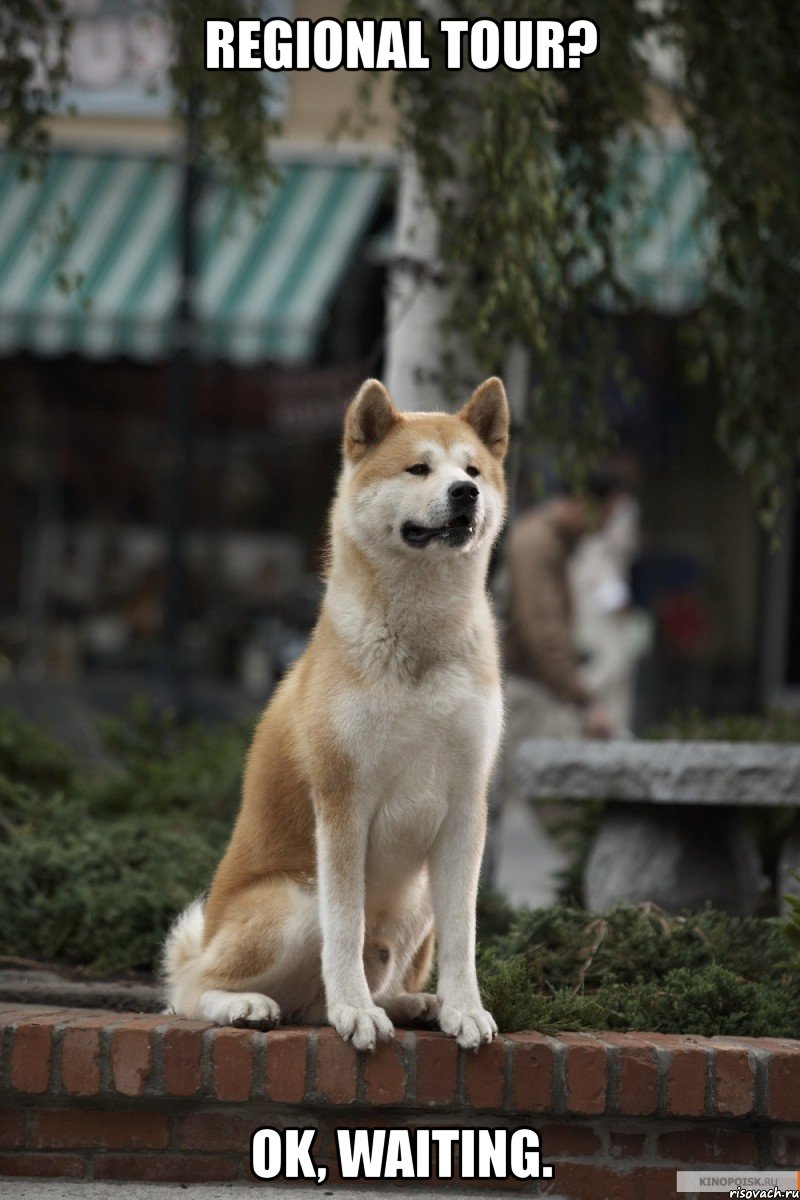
column 454, row 866
column 341, row 857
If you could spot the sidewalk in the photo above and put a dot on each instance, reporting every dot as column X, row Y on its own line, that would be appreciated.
column 59, row 1189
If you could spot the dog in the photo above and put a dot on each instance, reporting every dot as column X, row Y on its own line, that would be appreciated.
column 363, row 812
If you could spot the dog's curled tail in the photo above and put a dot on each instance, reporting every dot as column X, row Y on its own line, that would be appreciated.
column 182, row 950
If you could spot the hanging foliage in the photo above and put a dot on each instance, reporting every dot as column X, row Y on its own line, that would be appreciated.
column 34, row 35
column 742, row 105
column 520, row 168
column 234, row 105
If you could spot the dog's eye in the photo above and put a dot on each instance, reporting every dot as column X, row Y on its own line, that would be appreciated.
column 419, row 469
column 472, row 471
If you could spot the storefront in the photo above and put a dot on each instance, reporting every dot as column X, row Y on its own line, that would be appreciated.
column 289, row 314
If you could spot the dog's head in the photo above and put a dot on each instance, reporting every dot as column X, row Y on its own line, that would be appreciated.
column 424, row 484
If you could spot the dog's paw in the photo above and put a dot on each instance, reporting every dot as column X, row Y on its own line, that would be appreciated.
column 413, row 1006
column 250, row 1009
column 469, row 1026
column 364, row 1027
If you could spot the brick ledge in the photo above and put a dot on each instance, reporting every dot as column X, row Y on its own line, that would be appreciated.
column 121, row 1095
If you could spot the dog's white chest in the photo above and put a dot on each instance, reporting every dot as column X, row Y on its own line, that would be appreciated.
column 415, row 750
column 392, row 731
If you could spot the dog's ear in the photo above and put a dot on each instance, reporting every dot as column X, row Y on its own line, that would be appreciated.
column 487, row 412
column 369, row 418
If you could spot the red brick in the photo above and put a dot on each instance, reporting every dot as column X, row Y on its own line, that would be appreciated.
column 232, row 1063
column 385, row 1073
column 132, row 1058
column 484, row 1082
column 568, row 1141
column 31, row 1053
column 337, row 1065
column 80, row 1061
column 91, row 1019
column 437, row 1064
column 585, row 1074
column 658, row 1183
column 734, row 1083
column 709, row 1147
column 166, row 1168
column 329, row 1124
column 584, row 1181
column 42, row 1166
column 626, row 1145
column 686, row 1082
column 216, row 1132
column 62, row 1015
column 182, row 1050
column 532, row 1059
column 784, row 1085
column 785, row 1148
column 751, row 1043
column 12, row 1128
column 77, row 1129
column 11, row 1013
column 285, row 1079
column 637, row 1074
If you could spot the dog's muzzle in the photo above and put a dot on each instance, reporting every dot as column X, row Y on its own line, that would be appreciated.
column 461, row 525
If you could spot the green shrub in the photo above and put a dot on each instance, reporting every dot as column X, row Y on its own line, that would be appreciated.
column 100, row 894
column 160, row 765
column 95, row 863
column 30, row 756
column 710, row 1002
column 568, row 947
column 637, row 968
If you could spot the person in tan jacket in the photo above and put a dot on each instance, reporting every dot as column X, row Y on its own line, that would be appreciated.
column 541, row 659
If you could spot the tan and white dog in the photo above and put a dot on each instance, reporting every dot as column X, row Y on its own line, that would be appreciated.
column 364, row 802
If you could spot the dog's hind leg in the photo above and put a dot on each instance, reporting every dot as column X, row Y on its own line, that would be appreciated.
column 251, row 1009
column 411, row 1003
column 262, row 958
column 419, row 968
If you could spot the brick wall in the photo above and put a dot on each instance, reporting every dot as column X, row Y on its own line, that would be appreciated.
column 104, row 1095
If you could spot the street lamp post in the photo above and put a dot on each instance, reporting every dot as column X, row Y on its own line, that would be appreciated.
column 182, row 383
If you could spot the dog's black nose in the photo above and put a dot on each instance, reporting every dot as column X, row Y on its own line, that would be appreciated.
column 462, row 494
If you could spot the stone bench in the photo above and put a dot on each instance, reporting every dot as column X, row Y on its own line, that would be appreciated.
column 672, row 832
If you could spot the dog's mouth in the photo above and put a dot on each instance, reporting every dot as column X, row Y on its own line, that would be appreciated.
column 456, row 532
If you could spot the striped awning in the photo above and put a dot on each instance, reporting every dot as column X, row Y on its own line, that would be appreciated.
column 663, row 245
column 88, row 257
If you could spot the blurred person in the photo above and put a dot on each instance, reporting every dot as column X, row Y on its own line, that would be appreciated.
column 547, row 695
column 611, row 634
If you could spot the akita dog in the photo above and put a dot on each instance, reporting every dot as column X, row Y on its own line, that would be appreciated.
column 364, row 799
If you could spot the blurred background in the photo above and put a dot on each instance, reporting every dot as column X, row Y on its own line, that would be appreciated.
column 175, row 361
column 197, row 270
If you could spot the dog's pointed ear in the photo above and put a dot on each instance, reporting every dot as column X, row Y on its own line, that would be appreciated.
column 487, row 412
column 369, row 418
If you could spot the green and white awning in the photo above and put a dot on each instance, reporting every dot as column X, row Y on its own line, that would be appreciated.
column 88, row 257
column 662, row 243
column 88, row 252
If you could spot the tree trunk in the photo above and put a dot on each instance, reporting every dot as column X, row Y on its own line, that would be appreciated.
column 417, row 300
